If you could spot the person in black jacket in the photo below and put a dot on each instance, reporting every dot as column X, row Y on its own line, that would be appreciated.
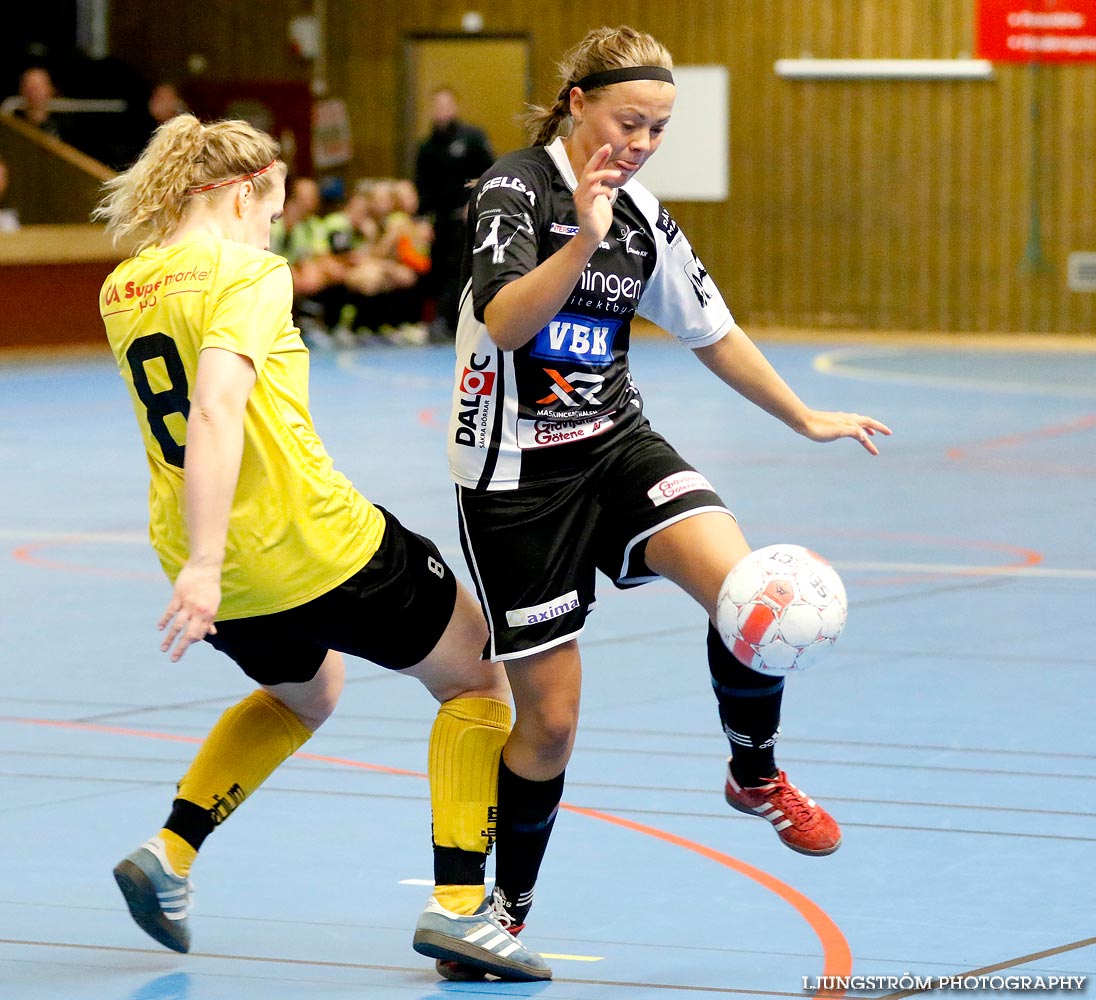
column 452, row 155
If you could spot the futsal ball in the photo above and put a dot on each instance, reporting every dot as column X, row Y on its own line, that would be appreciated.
column 781, row 608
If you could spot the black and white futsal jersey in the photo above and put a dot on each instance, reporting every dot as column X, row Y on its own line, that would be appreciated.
column 549, row 408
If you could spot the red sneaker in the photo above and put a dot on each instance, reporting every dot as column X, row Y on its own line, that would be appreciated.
column 799, row 821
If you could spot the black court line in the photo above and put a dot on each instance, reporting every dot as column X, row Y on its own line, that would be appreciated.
column 988, row 969
column 676, row 813
column 868, row 744
column 312, row 963
column 308, row 765
column 624, row 811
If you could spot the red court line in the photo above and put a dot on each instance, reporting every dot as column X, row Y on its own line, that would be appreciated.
column 428, row 417
column 1022, row 556
column 29, row 554
column 147, row 734
column 1028, row 557
column 963, row 453
column 836, row 954
column 835, row 949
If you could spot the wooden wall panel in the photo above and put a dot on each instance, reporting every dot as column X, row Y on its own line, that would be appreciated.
column 51, row 181
column 858, row 204
column 238, row 39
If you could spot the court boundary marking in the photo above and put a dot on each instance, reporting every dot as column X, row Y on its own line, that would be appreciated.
column 842, row 362
column 984, row 971
column 469, row 987
column 837, row 957
column 1025, row 566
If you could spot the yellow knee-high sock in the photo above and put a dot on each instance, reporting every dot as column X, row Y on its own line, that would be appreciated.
column 241, row 751
column 466, row 742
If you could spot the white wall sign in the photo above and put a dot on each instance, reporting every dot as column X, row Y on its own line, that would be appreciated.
column 693, row 162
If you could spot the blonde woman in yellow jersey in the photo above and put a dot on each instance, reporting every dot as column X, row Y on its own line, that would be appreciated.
column 274, row 556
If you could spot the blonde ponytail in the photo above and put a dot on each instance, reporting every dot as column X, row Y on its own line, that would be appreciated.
column 145, row 203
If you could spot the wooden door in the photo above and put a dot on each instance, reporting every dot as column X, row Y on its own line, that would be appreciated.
column 489, row 74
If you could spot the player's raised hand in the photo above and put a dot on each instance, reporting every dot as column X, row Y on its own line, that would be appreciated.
column 593, row 196
column 823, row 425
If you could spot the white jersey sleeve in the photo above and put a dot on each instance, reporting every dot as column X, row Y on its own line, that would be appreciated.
column 680, row 296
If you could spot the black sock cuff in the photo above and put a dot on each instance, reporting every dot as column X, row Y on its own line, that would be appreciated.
column 531, row 802
column 191, row 822
column 452, row 866
column 732, row 677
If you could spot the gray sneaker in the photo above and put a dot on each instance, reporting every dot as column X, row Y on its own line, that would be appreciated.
column 479, row 941
column 158, row 899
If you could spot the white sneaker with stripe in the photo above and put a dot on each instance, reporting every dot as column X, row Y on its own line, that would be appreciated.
column 158, row 899
column 479, row 940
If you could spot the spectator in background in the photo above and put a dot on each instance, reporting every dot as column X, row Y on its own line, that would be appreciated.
column 402, row 235
column 165, row 102
column 452, row 155
column 300, row 236
column 9, row 218
column 408, row 235
column 37, row 90
column 371, row 236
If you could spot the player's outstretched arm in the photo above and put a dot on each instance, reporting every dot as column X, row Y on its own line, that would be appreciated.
column 214, row 447
column 737, row 361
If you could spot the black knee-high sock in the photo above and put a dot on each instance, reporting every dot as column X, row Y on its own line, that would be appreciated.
column 526, row 814
column 749, row 708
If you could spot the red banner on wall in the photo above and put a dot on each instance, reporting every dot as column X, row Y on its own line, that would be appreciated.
column 1036, row 30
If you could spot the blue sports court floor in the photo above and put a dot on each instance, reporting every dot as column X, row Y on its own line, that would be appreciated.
column 951, row 731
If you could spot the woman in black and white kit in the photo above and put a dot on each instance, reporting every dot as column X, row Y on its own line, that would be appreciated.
column 558, row 472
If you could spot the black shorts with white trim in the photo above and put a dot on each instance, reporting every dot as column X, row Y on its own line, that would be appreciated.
column 392, row 612
column 534, row 551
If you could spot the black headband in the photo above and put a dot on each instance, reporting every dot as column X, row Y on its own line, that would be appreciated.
column 622, row 75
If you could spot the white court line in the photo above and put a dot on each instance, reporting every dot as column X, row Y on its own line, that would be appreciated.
column 33, row 537
column 837, row 363
column 356, row 362
column 960, row 569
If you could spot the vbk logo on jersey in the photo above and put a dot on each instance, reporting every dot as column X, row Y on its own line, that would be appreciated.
column 667, row 225
column 571, row 337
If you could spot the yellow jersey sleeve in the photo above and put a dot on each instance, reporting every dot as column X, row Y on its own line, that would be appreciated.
column 251, row 308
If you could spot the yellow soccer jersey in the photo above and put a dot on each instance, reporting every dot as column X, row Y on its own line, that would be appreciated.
column 298, row 527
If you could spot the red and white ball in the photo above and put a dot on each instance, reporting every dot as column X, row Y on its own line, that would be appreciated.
column 781, row 608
